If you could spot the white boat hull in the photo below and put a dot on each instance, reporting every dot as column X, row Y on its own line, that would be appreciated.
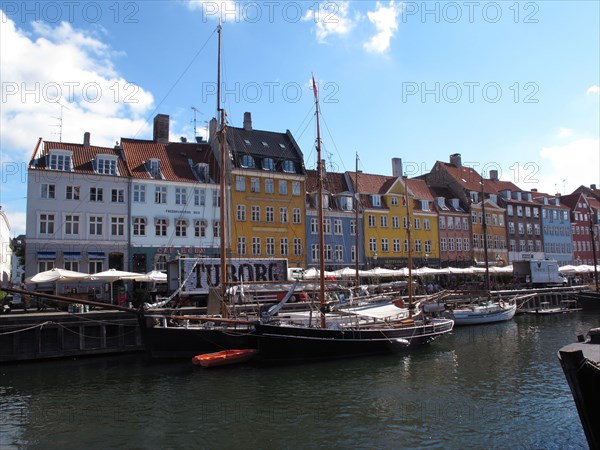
column 484, row 314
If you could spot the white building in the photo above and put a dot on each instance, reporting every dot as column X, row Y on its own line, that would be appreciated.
column 5, row 250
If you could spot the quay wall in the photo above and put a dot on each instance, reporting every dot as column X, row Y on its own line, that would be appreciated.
column 34, row 336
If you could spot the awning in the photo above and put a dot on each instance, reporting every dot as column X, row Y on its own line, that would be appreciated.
column 46, row 255
column 72, row 256
column 96, row 255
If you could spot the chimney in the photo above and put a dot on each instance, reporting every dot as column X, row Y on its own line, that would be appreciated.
column 493, row 175
column 593, row 186
column 161, row 129
column 455, row 160
column 534, row 190
column 212, row 130
column 247, row 121
column 86, row 139
column 323, row 169
column 397, row 167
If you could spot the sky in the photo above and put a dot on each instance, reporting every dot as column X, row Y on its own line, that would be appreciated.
column 512, row 86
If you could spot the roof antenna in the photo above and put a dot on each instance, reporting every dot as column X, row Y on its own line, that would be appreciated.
column 60, row 122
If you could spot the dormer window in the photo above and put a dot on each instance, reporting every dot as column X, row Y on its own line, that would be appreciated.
column 106, row 165
column 346, row 203
column 455, row 203
column 282, row 146
column 288, row 166
column 268, row 164
column 473, row 196
column 325, row 201
column 265, row 144
column 494, row 198
column 376, row 200
column 201, row 170
column 248, row 162
column 246, row 141
column 61, row 160
column 154, row 168
column 424, row 205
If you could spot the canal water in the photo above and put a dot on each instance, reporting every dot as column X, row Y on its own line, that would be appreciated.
column 487, row 386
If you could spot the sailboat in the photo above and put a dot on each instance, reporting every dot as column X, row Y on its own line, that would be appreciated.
column 346, row 332
column 485, row 311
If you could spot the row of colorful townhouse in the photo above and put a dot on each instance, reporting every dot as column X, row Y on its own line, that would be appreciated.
column 142, row 203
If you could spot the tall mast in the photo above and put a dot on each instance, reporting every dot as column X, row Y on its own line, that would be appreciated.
column 320, row 211
column 593, row 245
column 485, row 248
column 356, row 237
column 409, row 261
column 222, row 151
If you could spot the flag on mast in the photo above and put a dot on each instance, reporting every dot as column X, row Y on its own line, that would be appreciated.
column 314, row 87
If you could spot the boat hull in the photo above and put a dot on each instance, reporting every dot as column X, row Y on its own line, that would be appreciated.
column 223, row 358
column 482, row 315
column 290, row 344
column 589, row 300
column 181, row 342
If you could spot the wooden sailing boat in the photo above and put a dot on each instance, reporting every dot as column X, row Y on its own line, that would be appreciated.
column 345, row 333
column 486, row 311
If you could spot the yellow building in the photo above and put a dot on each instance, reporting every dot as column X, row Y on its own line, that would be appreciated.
column 267, row 211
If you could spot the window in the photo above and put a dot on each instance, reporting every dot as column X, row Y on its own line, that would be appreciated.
column 376, row 200
column 255, row 213
column 418, row 246
column 95, row 266
column 270, row 214
column 501, row 220
column 426, row 225
column 475, row 241
column 139, row 226
column 297, row 247
column 458, row 244
column 282, row 187
column 117, row 196
column 155, row 168
column 456, row 223
column 314, row 225
column 240, row 183
column 327, row 226
column 428, row 246
column 256, row 246
column 254, row 184
column 106, row 165
column 466, row 244
column 48, row 190
column 241, row 213
column 181, row 228
column 117, row 226
column 180, row 196
column 160, row 263
column 509, row 210
column 71, row 224
column 511, row 227
column 241, row 245
column 450, row 221
column 268, row 164
column 417, row 223
column 385, row 247
column 200, row 228
column 46, row 265
column 346, row 203
column 384, row 221
column 371, row 221
column 527, row 211
column 288, row 166
column 247, row 161
column 269, row 186
column 465, row 222
column 328, row 253
column 72, row 265
column 353, row 253
column 372, row 245
column 217, row 228
column 405, row 245
column 160, row 194
column 283, row 215
column 283, row 245
column 295, row 188
column 394, row 201
column 519, row 211
column 95, row 225
column 161, row 227
column 216, row 198
column 473, row 217
column 396, row 245
column 450, row 244
column 314, row 252
column 405, row 222
column 339, row 252
column 60, row 161
column 353, row 227
column 270, row 246
column 443, row 244
column 521, row 228
column 424, row 205
column 72, row 193
column 139, row 193
column 442, row 223
column 297, row 215
column 337, row 226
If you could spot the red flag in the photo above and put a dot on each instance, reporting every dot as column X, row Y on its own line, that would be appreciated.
column 314, row 86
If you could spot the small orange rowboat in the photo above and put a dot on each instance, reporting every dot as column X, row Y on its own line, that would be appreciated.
column 223, row 358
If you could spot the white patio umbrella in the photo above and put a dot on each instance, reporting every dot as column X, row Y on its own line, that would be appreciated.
column 56, row 274
column 112, row 275
column 151, row 276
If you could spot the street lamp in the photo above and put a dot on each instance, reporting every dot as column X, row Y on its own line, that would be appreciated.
column 375, row 259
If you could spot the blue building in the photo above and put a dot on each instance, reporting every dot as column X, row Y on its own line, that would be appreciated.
column 556, row 229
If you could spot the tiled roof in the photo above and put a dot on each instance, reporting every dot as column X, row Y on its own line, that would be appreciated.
column 371, row 183
column 82, row 157
column 174, row 159
column 470, row 180
column 419, row 189
column 447, row 195
column 265, row 144
column 571, row 200
column 333, row 182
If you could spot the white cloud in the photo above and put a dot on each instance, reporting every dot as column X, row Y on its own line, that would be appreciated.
column 385, row 19
column 595, row 89
column 331, row 18
column 576, row 162
column 565, row 132
column 54, row 65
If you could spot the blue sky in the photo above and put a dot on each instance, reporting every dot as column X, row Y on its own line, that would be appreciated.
column 509, row 85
